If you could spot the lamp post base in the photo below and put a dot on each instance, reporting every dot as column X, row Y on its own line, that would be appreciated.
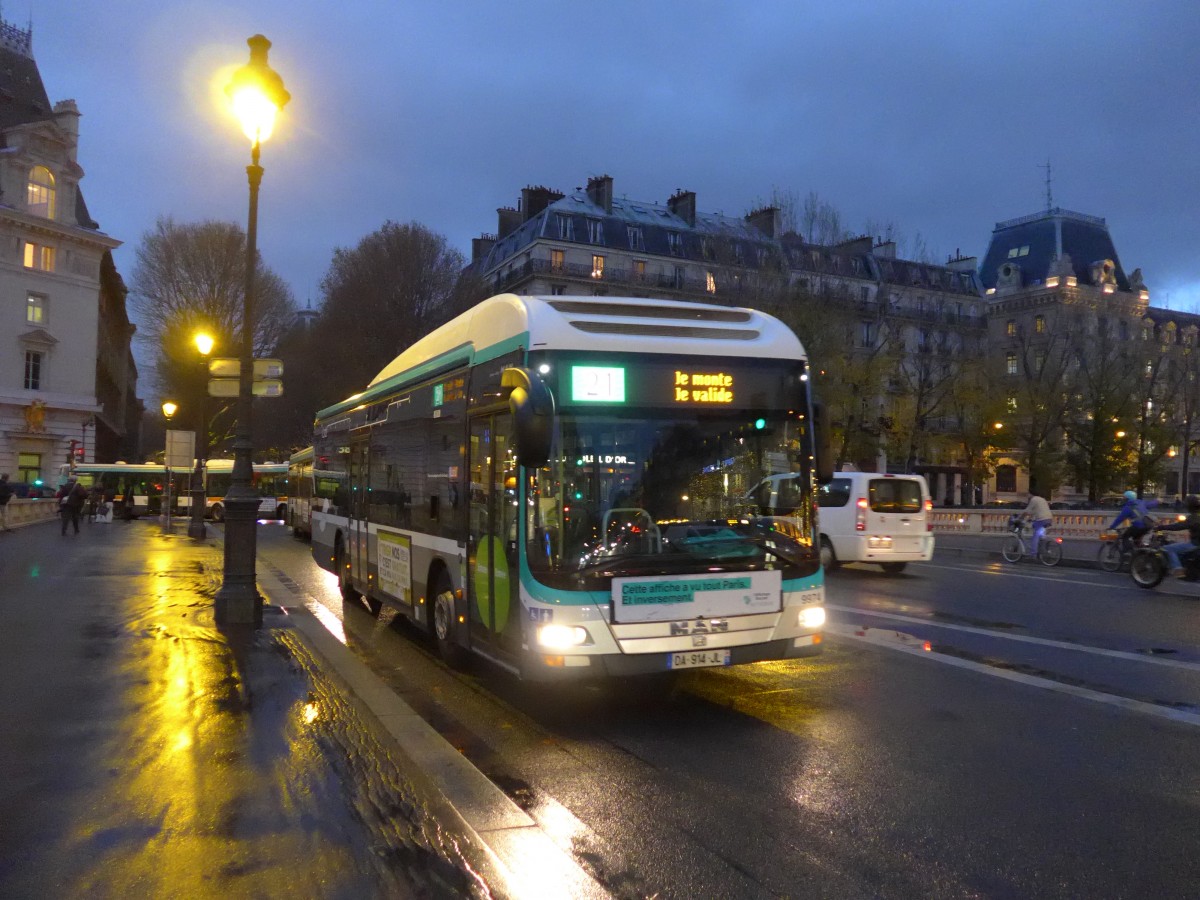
column 197, row 530
column 238, row 602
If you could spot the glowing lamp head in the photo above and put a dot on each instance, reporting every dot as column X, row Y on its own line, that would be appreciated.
column 169, row 408
column 204, row 343
column 256, row 92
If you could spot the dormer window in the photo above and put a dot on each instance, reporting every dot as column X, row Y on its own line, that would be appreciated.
column 595, row 231
column 674, row 243
column 566, row 228
column 634, row 233
column 40, row 193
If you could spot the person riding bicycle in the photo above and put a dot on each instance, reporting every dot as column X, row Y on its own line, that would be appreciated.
column 1140, row 521
column 1038, row 512
column 1191, row 524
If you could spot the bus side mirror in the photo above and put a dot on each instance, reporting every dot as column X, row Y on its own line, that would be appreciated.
column 532, row 407
column 822, row 444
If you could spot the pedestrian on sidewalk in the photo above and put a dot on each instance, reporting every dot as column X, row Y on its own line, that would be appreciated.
column 71, row 497
column 6, row 493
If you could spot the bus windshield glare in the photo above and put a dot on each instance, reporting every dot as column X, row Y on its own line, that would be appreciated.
column 665, row 492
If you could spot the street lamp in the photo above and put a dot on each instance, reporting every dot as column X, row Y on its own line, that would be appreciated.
column 196, row 529
column 169, row 408
column 256, row 94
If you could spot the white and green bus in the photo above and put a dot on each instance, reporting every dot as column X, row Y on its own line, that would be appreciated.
column 138, row 489
column 559, row 484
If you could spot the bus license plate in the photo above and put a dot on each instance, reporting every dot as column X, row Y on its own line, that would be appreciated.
column 695, row 659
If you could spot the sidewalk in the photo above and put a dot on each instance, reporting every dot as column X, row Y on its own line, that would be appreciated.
column 145, row 753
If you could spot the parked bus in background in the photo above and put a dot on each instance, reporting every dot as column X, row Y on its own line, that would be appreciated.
column 300, row 492
column 558, row 484
column 136, row 489
column 270, row 482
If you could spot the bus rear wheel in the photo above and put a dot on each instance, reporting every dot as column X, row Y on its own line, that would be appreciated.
column 218, row 512
column 893, row 568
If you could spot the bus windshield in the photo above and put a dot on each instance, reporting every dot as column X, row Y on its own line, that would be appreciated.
column 664, row 492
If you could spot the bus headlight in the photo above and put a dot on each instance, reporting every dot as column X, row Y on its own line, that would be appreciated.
column 812, row 617
column 560, row 637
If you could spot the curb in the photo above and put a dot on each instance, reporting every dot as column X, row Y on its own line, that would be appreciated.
column 518, row 854
column 1070, row 562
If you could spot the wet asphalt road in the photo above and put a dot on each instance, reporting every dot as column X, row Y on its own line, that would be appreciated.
column 974, row 729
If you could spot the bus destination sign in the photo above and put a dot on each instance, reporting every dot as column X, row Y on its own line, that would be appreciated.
column 740, row 383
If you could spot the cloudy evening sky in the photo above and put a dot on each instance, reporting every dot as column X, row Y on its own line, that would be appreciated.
column 938, row 116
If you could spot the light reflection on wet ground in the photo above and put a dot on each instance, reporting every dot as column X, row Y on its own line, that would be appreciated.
column 195, row 763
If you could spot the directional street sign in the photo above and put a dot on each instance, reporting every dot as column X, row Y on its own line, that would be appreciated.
column 227, row 374
column 228, row 387
column 224, row 367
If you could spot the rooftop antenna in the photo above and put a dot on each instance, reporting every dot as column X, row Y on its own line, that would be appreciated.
column 1049, row 196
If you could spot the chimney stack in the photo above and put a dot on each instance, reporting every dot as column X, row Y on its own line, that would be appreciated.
column 683, row 204
column 767, row 220
column 599, row 191
column 535, row 199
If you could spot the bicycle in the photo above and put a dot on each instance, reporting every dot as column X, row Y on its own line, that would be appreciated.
column 1049, row 548
column 1115, row 551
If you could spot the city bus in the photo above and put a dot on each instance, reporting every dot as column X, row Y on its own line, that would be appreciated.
column 558, row 485
column 300, row 493
column 137, row 489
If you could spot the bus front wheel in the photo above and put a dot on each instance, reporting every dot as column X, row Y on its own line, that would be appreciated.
column 218, row 512
column 444, row 619
column 345, row 580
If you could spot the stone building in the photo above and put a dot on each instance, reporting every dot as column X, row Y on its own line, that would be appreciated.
column 1060, row 299
column 593, row 242
column 68, row 382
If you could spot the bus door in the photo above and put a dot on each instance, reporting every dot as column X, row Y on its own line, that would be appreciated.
column 492, row 569
column 359, row 473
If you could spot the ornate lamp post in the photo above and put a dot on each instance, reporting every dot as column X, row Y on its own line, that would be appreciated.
column 196, row 528
column 169, row 408
column 256, row 94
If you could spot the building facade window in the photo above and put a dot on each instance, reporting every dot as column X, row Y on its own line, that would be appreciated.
column 639, row 268
column 566, row 227
column 678, row 278
column 35, row 309
column 556, row 260
column 558, row 290
column 866, row 334
column 1011, row 403
column 1010, row 327
column 1039, row 324
column 634, row 233
column 597, row 265
column 29, row 467
column 1039, row 359
column 1006, row 479
column 40, row 192
column 595, row 231
column 710, row 282
column 33, row 370
column 39, row 256
column 674, row 243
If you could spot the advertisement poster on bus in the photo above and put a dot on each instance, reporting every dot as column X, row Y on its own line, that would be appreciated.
column 667, row 598
column 395, row 565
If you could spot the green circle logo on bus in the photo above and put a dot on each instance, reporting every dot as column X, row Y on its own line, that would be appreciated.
column 489, row 556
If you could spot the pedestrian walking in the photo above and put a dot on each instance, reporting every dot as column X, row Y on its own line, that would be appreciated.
column 71, row 497
column 6, row 493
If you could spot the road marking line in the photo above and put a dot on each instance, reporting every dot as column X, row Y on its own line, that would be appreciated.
column 1045, row 642
column 1006, row 572
column 1139, row 706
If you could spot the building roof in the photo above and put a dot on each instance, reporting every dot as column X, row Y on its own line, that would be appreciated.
column 1035, row 242
column 22, row 95
column 655, row 222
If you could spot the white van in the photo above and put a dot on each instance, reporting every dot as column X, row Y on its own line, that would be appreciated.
column 862, row 516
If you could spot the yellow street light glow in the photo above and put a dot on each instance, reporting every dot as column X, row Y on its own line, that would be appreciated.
column 204, row 343
column 256, row 93
column 1120, row 434
column 168, row 408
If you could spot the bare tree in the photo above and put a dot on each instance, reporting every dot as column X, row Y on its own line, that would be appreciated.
column 396, row 285
column 191, row 277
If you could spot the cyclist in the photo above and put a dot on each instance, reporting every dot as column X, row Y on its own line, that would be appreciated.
column 1038, row 512
column 1140, row 521
column 1191, row 524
